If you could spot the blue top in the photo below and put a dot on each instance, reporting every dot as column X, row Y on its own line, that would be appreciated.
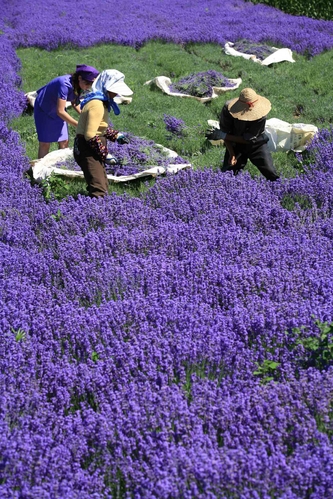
column 58, row 88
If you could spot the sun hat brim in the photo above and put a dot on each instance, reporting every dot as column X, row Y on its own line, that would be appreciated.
column 242, row 111
column 119, row 87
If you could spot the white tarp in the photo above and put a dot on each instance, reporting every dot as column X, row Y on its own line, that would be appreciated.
column 279, row 55
column 31, row 97
column 283, row 136
column 43, row 168
column 164, row 83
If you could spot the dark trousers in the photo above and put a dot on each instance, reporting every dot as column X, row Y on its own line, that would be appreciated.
column 92, row 167
column 259, row 155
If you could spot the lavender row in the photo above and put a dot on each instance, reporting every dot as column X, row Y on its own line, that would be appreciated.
column 60, row 23
column 132, row 330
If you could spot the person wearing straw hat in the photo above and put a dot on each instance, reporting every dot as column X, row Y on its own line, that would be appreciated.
column 245, row 117
column 51, row 117
column 93, row 131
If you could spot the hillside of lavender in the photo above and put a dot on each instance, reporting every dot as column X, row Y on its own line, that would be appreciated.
column 177, row 345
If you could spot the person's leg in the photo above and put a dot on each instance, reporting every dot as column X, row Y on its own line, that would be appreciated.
column 49, row 129
column 80, row 155
column 262, row 159
column 43, row 149
column 98, row 183
column 62, row 144
column 93, row 169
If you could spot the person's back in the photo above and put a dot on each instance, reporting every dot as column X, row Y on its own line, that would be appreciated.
column 48, row 95
column 93, row 119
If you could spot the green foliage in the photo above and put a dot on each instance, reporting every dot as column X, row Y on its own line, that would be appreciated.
column 58, row 216
column 309, row 350
column 267, row 371
column 318, row 348
column 291, row 201
column 313, row 350
column 20, row 334
column 94, row 356
column 318, row 9
column 55, row 187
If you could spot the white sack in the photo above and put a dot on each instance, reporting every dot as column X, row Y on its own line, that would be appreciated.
column 43, row 168
column 164, row 83
column 279, row 55
column 283, row 136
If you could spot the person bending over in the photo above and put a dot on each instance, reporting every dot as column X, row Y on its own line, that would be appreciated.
column 51, row 117
column 90, row 145
column 245, row 117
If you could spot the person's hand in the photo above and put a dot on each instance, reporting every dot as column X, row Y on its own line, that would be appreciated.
column 121, row 139
column 110, row 160
column 215, row 134
column 261, row 139
column 233, row 160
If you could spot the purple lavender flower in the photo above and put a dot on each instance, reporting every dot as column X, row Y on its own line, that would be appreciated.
column 138, row 155
column 319, row 152
column 174, row 125
column 172, row 21
column 69, row 164
column 260, row 50
column 200, row 84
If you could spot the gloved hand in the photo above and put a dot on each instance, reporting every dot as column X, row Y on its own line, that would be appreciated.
column 215, row 134
column 110, row 160
column 261, row 139
column 121, row 139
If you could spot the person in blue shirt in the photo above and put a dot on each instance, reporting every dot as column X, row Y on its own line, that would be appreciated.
column 51, row 117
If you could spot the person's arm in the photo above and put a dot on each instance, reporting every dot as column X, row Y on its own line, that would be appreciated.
column 236, row 138
column 76, row 107
column 217, row 134
column 62, row 113
column 227, row 126
column 229, row 146
column 226, row 120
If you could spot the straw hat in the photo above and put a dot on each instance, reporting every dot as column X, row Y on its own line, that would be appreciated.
column 249, row 106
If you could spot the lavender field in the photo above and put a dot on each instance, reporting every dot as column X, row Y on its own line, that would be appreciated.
column 177, row 345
